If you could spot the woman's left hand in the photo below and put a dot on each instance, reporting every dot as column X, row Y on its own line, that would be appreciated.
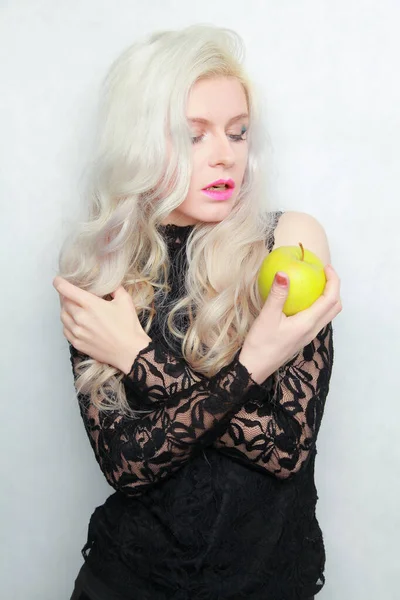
column 107, row 331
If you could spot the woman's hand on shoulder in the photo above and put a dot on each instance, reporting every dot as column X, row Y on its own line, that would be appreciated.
column 107, row 331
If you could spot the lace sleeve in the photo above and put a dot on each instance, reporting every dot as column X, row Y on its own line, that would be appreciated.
column 185, row 413
column 278, row 433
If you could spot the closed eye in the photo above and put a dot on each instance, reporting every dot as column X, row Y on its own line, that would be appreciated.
column 241, row 137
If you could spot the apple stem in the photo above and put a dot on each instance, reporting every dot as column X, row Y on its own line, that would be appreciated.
column 302, row 251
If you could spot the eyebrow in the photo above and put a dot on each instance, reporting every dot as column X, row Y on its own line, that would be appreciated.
column 207, row 122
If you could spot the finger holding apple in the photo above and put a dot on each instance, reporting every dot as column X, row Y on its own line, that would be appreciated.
column 274, row 337
column 305, row 272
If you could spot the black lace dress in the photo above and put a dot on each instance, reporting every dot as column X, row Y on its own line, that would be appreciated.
column 215, row 496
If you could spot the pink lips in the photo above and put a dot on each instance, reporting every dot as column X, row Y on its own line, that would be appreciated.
column 223, row 193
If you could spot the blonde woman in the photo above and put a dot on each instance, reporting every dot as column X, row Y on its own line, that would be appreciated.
column 201, row 403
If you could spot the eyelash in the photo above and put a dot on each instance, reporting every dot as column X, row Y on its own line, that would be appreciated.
column 234, row 138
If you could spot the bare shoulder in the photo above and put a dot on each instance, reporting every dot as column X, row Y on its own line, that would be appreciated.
column 294, row 227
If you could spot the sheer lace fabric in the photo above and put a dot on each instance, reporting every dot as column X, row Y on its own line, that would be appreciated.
column 227, row 420
column 187, row 412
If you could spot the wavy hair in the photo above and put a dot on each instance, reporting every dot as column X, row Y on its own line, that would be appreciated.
column 133, row 188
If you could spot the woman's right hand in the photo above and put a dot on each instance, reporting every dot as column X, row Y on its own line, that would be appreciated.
column 274, row 338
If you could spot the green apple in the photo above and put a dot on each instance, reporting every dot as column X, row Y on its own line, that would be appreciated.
column 306, row 276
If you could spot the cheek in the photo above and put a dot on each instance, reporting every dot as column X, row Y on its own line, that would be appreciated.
column 243, row 157
column 245, row 150
column 197, row 167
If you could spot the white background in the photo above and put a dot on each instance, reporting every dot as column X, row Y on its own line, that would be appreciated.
column 330, row 72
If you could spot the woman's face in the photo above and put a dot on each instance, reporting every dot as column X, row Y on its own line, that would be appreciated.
column 217, row 114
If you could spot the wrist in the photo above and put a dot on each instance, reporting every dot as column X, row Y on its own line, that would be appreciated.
column 129, row 355
column 258, row 372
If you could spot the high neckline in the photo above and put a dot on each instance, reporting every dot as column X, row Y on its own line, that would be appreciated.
column 175, row 235
column 176, row 228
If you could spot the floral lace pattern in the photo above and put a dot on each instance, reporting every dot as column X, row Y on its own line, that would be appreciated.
column 274, row 425
column 279, row 432
column 186, row 412
column 270, row 428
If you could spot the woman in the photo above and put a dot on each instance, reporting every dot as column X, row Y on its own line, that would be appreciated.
column 201, row 403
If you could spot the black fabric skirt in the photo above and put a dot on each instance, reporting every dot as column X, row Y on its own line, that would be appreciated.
column 88, row 587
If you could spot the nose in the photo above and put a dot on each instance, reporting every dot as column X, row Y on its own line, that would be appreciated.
column 221, row 152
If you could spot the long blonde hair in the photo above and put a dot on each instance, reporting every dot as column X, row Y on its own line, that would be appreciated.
column 133, row 188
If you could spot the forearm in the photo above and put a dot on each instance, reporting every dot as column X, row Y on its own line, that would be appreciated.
column 275, row 428
column 279, row 433
column 136, row 453
column 159, row 374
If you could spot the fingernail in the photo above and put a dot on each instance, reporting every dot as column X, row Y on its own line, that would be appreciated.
column 281, row 279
